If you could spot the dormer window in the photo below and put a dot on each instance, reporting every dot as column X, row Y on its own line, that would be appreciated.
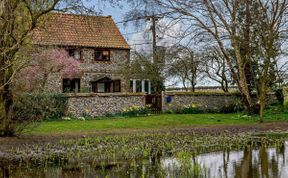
column 76, row 53
column 102, row 55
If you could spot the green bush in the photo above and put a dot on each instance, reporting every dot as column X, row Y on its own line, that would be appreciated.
column 133, row 111
column 236, row 106
column 279, row 95
column 33, row 107
column 275, row 108
column 189, row 109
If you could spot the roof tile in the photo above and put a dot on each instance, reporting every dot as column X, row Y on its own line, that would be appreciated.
column 78, row 30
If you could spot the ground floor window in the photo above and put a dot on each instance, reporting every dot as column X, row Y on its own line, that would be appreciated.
column 71, row 85
column 143, row 86
column 106, row 85
column 101, row 88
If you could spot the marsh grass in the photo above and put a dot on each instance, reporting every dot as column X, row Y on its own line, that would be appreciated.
column 144, row 146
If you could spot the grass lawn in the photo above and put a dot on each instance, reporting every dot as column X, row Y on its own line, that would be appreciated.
column 149, row 122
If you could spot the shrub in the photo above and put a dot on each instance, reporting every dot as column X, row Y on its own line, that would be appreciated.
column 275, row 108
column 192, row 109
column 279, row 95
column 236, row 106
column 35, row 107
column 188, row 109
column 135, row 111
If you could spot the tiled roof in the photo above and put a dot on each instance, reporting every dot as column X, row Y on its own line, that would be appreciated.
column 77, row 30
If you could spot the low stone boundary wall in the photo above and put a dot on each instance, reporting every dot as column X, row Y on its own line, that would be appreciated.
column 207, row 101
column 93, row 104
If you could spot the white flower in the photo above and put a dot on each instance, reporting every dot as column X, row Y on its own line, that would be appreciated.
column 66, row 118
column 81, row 118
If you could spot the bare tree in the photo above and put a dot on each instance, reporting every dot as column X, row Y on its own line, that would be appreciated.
column 215, row 67
column 186, row 66
column 252, row 29
column 269, row 31
column 281, row 73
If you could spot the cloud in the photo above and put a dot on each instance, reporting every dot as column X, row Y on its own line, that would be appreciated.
column 167, row 34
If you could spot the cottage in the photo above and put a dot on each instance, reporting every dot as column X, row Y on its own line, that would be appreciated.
column 98, row 44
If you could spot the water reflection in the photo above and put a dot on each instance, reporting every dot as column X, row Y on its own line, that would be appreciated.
column 248, row 163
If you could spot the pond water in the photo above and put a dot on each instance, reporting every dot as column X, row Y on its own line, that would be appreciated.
column 247, row 163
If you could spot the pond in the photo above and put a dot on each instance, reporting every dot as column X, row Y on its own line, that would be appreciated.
column 249, row 162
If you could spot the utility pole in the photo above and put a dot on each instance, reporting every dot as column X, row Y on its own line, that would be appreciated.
column 155, row 62
column 154, row 38
column 156, row 58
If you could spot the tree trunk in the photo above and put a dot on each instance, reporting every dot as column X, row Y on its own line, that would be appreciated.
column 184, row 85
column 262, row 96
column 224, row 86
column 43, row 84
column 193, row 87
column 261, row 112
column 6, row 102
column 247, row 100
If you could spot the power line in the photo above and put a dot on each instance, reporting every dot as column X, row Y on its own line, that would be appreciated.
column 140, row 40
column 140, row 43
column 147, row 16
column 131, row 33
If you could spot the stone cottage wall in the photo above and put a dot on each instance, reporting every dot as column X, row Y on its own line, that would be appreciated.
column 102, row 104
column 211, row 101
column 93, row 70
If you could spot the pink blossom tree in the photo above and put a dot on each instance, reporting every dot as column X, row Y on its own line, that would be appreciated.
column 44, row 63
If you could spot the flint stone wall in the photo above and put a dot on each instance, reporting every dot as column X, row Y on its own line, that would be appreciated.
column 102, row 104
column 94, row 70
column 209, row 101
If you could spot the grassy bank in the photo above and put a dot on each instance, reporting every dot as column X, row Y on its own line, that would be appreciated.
column 149, row 122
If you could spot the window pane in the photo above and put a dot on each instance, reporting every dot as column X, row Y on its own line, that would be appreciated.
column 131, row 85
column 98, row 55
column 146, row 86
column 105, row 53
column 102, row 55
column 101, row 87
column 71, row 85
column 117, row 87
column 77, row 54
column 138, row 85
